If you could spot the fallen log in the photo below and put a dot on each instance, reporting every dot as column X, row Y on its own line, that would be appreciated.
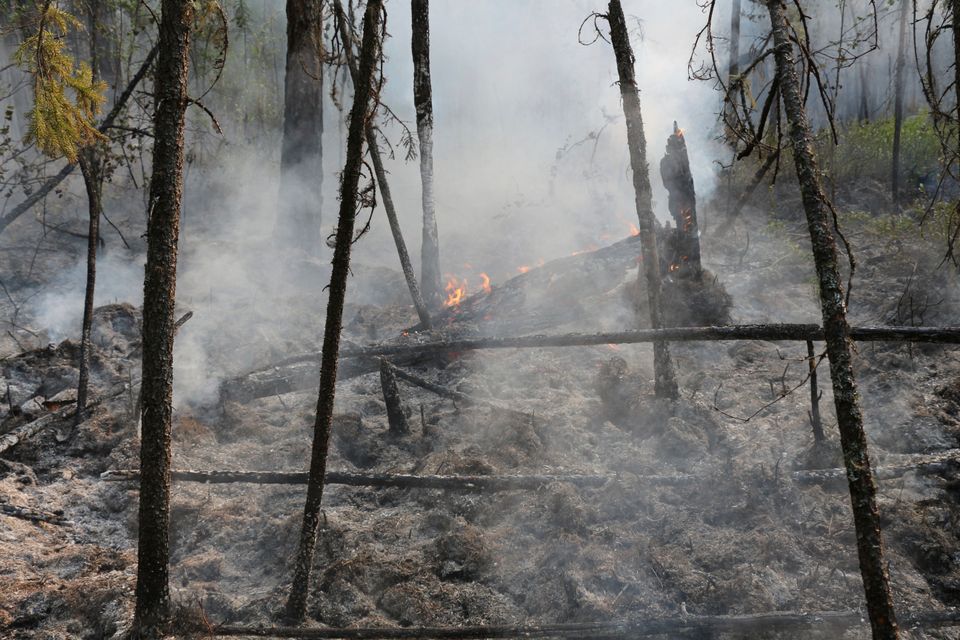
column 30, row 429
column 747, row 623
column 923, row 465
column 34, row 515
column 794, row 332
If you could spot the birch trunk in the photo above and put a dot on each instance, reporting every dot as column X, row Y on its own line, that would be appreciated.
column 430, row 279
column 853, row 440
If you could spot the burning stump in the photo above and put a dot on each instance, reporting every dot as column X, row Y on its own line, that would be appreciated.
column 684, row 250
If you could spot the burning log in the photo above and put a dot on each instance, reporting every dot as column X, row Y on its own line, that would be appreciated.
column 682, row 202
column 748, row 624
column 391, row 396
column 921, row 465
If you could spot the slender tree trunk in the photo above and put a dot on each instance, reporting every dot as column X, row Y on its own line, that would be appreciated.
column 378, row 169
column 301, row 160
column 955, row 9
column 898, row 82
column 853, row 440
column 159, row 295
column 733, row 69
column 665, row 382
column 360, row 112
column 92, row 170
column 864, row 96
column 430, row 279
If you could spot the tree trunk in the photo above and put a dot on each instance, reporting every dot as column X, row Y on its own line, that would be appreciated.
column 92, row 170
column 665, row 382
column 864, row 115
column 159, row 294
column 955, row 9
column 682, row 202
column 430, row 279
column 378, row 169
column 898, row 82
column 301, row 165
column 853, row 440
column 363, row 92
column 733, row 70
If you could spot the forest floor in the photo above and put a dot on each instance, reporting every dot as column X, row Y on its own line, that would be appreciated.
column 743, row 539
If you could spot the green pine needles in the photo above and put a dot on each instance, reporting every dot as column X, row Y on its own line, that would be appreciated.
column 58, row 125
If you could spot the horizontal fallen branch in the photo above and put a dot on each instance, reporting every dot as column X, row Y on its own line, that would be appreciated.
column 748, row 623
column 34, row 515
column 798, row 332
column 924, row 465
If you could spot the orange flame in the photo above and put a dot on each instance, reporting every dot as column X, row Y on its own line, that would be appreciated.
column 634, row 231
column 486, row 283
column 456, row 291
column 523, row 268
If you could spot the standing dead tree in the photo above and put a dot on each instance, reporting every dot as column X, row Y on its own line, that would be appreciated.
column 301, row 157
column 159, row 296
column 360, row 113
column 665, row 383
column 853, row 440
column 423, row 101
column 682, row 202
column 346, row 37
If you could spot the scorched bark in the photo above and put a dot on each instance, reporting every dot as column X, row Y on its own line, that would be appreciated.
column 863, row 488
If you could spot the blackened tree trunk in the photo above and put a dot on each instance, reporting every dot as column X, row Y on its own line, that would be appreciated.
column 359, row 113
column 955, row 10
column 430, row 280
column 665, row 382
column 159, row 295
column 682, row 202
column 91, row 168
column 853, row 440
column 898, row 82
column 301, row 166
column 733, row 71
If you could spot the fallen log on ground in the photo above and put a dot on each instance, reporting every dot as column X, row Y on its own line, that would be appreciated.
column 922, row 465
column 300, row 372
column 30, row 429
column 742, row 624
column 773, row 332
column 34, row 515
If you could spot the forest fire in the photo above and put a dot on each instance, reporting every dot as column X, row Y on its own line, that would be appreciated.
column 456, row 291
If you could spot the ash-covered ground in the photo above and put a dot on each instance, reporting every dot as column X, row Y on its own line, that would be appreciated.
column 739, row 537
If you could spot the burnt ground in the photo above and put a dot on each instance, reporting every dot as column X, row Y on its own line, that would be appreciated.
column 745, row 539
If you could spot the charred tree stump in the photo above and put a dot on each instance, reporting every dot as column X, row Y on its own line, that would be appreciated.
column 682, row 202
column 391, row 397
column 296, row 607
column 853, row 440
column 159, row 295
column 665, row 382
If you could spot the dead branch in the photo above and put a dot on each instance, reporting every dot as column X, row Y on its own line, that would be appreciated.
column 444, row 392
